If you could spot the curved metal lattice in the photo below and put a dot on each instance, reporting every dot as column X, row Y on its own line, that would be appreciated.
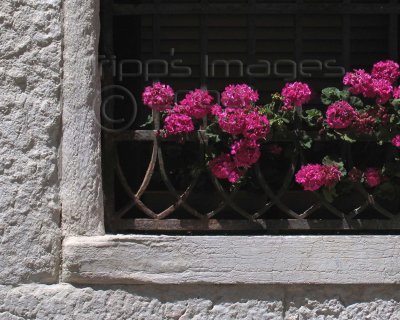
column 276, row 212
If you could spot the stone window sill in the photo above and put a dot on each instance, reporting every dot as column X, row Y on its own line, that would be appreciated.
column 136, row 259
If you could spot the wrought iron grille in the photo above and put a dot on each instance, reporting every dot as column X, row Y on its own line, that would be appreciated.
column 152, row 184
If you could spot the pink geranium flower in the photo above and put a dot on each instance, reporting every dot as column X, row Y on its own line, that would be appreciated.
column 178, row 123
column 158, row 96
column 368, row 85
column 231, row 120
column 256, row 126
column 372, row 177
column 396, row 93
column 239, row 95
column 340, row 115
column 396, row 141
column 311, row 177
column 245, row 153
column 295, row 94
column 223, row 167
column 314, row 176
column 360, row 82
column 196, row 104
column 382, row 89
column 387, row 70
column 332, row 175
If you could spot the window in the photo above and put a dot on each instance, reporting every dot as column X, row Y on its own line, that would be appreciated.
column 90, row 256
column 152, row 185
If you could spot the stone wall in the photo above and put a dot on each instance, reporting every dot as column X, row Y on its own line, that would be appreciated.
column 64, row 301
column 31, row 111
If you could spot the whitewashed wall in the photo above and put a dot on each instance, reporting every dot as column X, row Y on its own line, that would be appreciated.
column 35, row 100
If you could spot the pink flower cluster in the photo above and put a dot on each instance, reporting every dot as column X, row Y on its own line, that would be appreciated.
column 396, row 93
column 388, row 70
column 378, row 84
column 158, row 96
column 238, row 95
column 239, row 118
column 396, row 141
column 245, row 152
column 237, row 121
column 382, row 89
column 223, row 167
column 340, row 115
column 295, row 95
column 314, row 176
column 231, row 120
column 196, row 104
column 176, row 123
column 256, row 126
column 373, row 177
column 364, row 122
column 359, row 82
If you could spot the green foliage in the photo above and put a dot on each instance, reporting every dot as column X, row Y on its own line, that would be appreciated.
column 356, row 102
column 331, row 95
column 149, row 121
column 345, row 136
column 213, row 132
column 395, row 103
column 312, row 116
column 329, row 161
column 305, row 140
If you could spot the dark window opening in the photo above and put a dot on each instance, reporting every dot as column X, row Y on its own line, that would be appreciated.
column 152, row 185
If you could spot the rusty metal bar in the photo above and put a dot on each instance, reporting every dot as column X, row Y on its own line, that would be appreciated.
column 256, row 225
column 151, row 135
column 107, row 69
column 394, row 33
column 259, row 9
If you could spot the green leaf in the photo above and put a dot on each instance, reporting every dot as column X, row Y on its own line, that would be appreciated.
column 148, row 122
column 213, row 132
column 312, row 116
column 346, row 137
column 267, row 110
column 356, row 102
column 331, row 95
column 329, row 161
column 395, row 103
column 328, row 95
column 306, row 141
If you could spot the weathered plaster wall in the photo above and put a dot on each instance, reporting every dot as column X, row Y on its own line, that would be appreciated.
column 30, row 90
column 199, row 302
